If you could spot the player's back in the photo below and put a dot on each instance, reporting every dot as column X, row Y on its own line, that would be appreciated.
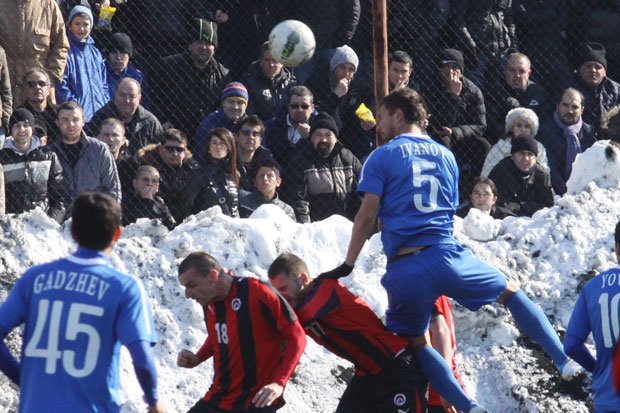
column 602, row 297
column 417, row 180
column 77, row 311
column 344, row 324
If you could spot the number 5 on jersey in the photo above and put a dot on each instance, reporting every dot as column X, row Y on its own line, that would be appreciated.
column 422, row 200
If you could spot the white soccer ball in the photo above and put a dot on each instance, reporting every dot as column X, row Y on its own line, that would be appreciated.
column 291, row 43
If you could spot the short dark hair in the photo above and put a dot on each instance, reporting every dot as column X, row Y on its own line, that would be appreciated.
column 617, row 234
column 486, row 181
column 69, row 105
column 266, row 163
column 288, row 264
column 301, row 91
column 410, row 102
column 252, row 121
column 201, row 262
column 263, row 48
column 174, row 135
column 400, row 56
column 574, row 91
column 96, row 216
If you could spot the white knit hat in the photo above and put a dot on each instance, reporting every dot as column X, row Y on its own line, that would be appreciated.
column 525, row 113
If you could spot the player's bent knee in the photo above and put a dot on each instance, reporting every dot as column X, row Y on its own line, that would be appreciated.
column 419, row 342
column 511, row 288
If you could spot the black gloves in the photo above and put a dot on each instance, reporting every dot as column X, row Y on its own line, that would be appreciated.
column 338, row 272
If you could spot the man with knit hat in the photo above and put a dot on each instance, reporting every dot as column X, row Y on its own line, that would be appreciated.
column 458, row 116
column 565, row 135
column 601, row 93
column 338, row 94
column 187, row 86
column 523, row 185
column 118, row 65
column 325, row 175
column 32, row 172
column 234, row 102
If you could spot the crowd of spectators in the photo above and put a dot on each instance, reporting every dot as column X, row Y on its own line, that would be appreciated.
column 192, row 91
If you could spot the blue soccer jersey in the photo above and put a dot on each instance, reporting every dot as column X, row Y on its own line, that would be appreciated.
column 597, row 311
column 77, row 312
column 417, row 180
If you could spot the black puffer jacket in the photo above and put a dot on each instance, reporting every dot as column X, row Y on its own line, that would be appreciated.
column 218, row 187
column 326, row 186
column 135, row 207
column 267, row 96
column 33, row 179
column 465, row 114
column 179, row 186
column 523, row 194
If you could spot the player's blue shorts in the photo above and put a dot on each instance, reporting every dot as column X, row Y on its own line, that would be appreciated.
column 414, row 282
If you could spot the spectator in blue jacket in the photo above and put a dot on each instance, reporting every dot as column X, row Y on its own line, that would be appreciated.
column 118, row 65
column 85, row 80
column 229, row 115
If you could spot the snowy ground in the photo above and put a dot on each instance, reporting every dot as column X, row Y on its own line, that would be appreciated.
column 550, row 255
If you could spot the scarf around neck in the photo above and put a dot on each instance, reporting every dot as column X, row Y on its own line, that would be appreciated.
column 573, row 146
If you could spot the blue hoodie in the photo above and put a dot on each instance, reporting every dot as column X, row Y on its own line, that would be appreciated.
column 84, row 80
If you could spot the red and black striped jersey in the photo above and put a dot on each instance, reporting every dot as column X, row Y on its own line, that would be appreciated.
column 248, row 332
column 344, row 324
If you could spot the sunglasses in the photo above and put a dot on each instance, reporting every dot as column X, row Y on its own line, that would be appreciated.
column 304, row 106
column 174, row 149
column 36, row 83
column 254, row 134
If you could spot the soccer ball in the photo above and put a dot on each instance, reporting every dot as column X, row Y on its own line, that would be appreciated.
column 291, row 43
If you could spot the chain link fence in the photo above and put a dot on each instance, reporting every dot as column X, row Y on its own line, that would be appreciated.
column 185, row 53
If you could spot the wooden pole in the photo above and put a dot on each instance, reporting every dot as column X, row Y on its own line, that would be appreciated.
column 380, row 50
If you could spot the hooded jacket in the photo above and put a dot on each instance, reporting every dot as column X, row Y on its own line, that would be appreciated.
column 33, row 179
column 85, row 78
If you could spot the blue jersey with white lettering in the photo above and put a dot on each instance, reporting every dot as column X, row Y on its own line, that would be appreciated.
column 597, row 311
column 417, row 180
column 77, row 312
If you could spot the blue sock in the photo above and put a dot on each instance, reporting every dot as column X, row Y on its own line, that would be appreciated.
column 533, row 322
column 441, row 377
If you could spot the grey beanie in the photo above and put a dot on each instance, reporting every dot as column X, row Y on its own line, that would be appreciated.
column 343, row 54
column 525, row 113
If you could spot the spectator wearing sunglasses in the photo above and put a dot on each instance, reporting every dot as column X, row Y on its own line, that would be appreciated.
column 287, row 134
column 181, row 179
column 36, row 92
column 143, row 201
column 249, row 150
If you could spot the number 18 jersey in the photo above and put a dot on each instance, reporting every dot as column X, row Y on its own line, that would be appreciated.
column 417, row 180
column 77, row 312
column 597, row 311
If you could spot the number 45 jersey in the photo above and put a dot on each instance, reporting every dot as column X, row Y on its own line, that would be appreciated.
column 77, row 312
column 597, row 311
column 417, row 180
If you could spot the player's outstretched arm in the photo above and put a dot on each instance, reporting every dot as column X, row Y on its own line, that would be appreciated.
column 144, row 365
column 362, row 227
